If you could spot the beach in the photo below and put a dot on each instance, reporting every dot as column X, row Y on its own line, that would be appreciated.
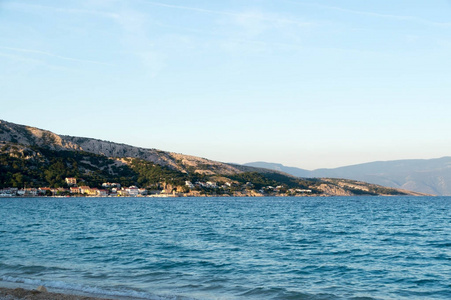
column 20, row 293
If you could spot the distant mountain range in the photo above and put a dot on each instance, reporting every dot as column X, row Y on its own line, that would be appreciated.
column 35, row 157
column 430, row 176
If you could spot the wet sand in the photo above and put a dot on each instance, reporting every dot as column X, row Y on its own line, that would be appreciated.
column 20, row 293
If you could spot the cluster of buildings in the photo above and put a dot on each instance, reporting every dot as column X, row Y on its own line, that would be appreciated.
column 132, row 191
column 264, row 191
column 115, row 189
column 208, row 184
column 108, row 189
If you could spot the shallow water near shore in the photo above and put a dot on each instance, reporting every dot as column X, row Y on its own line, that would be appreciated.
column 230, row 248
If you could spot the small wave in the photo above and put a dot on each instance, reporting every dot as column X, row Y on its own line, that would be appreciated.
column 279, row 293
column 31, row 269
column 422, row 282
column 437, row 294
column 83, row 289
column 440, row 244
column 83, row 238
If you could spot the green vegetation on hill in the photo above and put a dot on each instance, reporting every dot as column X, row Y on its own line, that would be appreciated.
column 34, row 166
column 37, row 166
column 260, row 180
column 42, row 166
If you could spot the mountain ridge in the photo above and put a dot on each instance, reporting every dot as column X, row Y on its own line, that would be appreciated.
column 38, row 149
column 27, row 135
column 431, row 176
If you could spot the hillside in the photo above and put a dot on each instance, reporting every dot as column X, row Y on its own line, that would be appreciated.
column 34, row 157
column 31, row 136
column 430, row 176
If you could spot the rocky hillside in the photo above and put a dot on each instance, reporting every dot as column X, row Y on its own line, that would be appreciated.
column 26, row 135
column 31, row 156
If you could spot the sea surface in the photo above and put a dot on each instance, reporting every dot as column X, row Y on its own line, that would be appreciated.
column 230, row 248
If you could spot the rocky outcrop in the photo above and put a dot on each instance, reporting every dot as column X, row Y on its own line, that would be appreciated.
column 333, row 190
column 26, row 135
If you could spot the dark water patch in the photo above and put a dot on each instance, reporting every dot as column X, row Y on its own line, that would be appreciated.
column 36, row 269
column 440, row 244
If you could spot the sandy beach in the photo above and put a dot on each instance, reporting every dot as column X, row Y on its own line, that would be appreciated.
column 20, row 293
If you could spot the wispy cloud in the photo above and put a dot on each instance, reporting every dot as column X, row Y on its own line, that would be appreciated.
column 137, row 39
column 30, row 63
column 34, row 7
column 38, row 52
column 239, row 31
column 261, row 16
column 378, row 15
column 133, row 24
column 201, row 10
column 393, row 17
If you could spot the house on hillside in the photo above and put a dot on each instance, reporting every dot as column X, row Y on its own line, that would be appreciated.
column 111, row 184
column 132, row 191
column 44, row 190
column 102, row 193
column 189, row 184
column 85, row 189
column 74, row 190
column 31, row 191
column 93, row 192
column 71, row 180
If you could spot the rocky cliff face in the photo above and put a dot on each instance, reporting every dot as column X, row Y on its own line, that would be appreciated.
column 332, row 190
column 26, row 135
column 111, row 149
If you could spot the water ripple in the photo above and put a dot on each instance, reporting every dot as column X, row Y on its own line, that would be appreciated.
column 240, row 248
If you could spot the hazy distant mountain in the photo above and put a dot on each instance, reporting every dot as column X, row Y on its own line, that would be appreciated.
column 279, row 167
column 430, row 176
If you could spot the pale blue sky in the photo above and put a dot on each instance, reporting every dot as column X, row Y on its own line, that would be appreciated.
column 305, row 83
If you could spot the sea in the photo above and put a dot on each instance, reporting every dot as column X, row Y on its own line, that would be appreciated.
column 229, row 248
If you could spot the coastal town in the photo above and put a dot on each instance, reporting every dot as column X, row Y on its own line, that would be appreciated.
column 76, row 188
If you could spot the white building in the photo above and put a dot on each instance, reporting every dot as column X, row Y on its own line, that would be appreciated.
column 189, row 184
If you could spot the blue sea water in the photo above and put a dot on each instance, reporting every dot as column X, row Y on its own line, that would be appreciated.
column 230, row 248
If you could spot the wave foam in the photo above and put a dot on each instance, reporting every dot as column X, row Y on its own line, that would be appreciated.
column 65, row 287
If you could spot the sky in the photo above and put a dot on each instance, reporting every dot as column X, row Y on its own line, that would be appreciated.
column 310, row 84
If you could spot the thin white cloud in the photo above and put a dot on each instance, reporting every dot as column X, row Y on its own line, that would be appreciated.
column 30, row 62
column 136, row 38
column 241, row 30
column 202, row 10
column 132, row 23
column 378, row 15
column 19, row 5
column 19, row 57
column 393, row 17
column 263, row 17
column 54, row 55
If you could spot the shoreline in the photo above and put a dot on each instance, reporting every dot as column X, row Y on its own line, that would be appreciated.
column 21, row 293
column 10, row 290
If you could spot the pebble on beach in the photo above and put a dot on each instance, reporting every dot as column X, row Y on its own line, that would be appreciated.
column 41, row 288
